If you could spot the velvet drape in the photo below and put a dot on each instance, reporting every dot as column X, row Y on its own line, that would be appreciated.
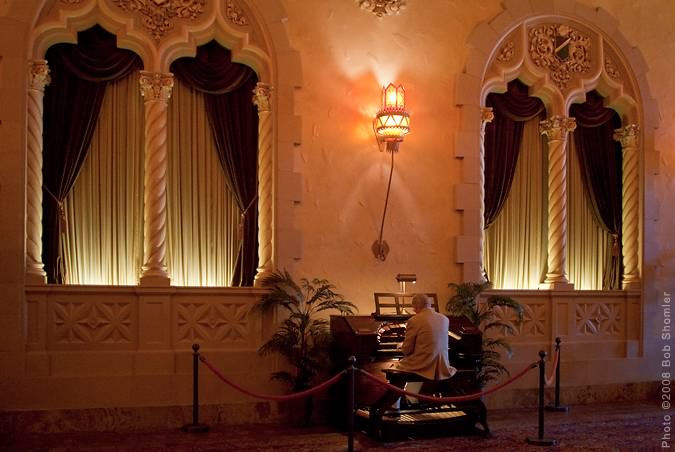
column 233, row 119
column 600, row 161
column 79, row 75
column 502, row 140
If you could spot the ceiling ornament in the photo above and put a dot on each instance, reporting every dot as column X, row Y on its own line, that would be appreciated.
column 158, row 15
column 611, row 69
column 506, row 53
column 235, row 14
column 382, row 7
column 560, row 49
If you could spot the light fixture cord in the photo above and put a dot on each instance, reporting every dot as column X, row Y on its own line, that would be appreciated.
column 386, row 199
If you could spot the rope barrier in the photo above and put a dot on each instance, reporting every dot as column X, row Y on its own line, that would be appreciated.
column 550, row 380
column 278, row 398
column 350, row 371
column 449, row 399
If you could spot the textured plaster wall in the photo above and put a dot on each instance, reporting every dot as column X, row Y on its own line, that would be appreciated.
column 347, row 55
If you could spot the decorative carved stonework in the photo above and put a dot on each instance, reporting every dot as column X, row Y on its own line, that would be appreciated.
column 262, row 96
column 235, row 14
column 382, row 7
column 71, row 2
column 611, row 69
column 628, row 136
column 506, row 53
column 600, row 318
column 486, row 114
column 38, row 75
column 560, row 49
column 212, row 322
column 557, row 127
column 534, row 320
column 156, row 86
column 158, row 15
column 92, row 322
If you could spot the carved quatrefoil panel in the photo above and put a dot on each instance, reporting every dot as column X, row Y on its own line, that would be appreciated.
column 599, row 319
column 92, row 322
column 216, row 323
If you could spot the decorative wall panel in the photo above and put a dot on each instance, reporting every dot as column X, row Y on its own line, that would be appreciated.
column 99, row 324
column 599, row 318
column 212, row 322
column 594, row 323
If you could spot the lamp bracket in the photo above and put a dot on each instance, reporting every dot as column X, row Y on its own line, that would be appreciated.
column 380, row 249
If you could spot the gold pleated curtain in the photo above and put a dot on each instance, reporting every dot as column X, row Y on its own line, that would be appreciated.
column 516, row 242
column 104, row 239
column 587, row 242
column 202, row 216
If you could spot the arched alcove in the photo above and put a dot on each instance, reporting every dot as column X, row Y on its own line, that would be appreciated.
column 501, row 50
column 521, row 43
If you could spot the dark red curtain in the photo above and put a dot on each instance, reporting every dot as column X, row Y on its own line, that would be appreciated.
column 233, row 119
column 502, row 142
column 72, row 102
column 600, row 160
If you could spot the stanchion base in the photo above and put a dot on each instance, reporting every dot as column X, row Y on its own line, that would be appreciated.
column 196, row 428
column 541, row 442
column 559, row 408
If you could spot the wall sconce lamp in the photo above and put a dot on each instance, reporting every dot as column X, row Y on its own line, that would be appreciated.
column 390, row 125
column 392, row 122
column 403, row 278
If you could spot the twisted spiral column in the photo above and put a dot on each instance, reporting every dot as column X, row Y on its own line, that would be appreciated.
column 156, row 91
column 556, row 129
column 38, row 78
column 262, row 98
column 486, row 115
column 629, row 137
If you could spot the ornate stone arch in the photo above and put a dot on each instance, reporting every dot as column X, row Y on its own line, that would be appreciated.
column 505, row 48
column 160, row 33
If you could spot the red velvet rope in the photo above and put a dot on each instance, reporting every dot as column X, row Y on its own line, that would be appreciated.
column 550, row 379
column 449, row 399
column 278, row 398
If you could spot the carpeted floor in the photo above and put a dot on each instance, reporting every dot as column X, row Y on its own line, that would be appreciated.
column 622, row 426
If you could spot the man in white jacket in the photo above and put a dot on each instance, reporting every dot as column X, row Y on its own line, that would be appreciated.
column 425, row 351
column 425, row 347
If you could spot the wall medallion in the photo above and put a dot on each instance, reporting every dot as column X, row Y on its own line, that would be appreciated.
column 560, row 49
column 158, row 15
column 382, row 7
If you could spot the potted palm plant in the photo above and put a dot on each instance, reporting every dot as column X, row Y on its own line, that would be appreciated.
column 303, row 338
column 465, row 302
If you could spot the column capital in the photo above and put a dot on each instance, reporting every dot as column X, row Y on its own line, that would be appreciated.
column 156, row 86
column 556, row 127
column 262, row 96
column 486, row 114
column 38, row 75
column 628, row 136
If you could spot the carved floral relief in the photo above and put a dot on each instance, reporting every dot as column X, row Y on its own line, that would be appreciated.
column 562, row 50
column 159, row 15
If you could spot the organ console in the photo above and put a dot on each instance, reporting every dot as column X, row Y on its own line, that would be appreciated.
column 374, row 341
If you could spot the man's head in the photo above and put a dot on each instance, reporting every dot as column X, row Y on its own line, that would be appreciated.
column 421, row 301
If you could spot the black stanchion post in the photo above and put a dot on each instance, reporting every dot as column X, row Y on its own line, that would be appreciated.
column 195, row 427
column 557, row 406
column 540, row 440
column 351, row 371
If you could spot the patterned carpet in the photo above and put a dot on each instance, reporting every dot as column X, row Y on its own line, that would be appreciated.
column 629, row 426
